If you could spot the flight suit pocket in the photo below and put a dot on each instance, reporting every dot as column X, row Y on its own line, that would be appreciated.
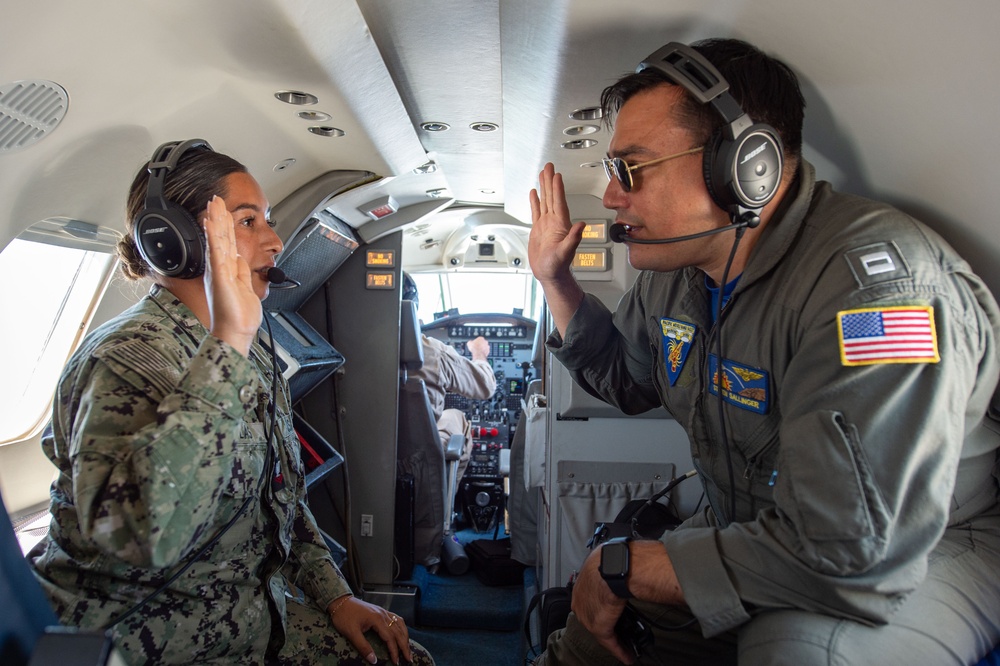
column 827, row 486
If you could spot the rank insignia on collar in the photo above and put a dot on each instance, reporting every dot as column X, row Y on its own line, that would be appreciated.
column 677, row 337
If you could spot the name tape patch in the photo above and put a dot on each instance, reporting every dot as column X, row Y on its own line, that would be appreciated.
column 742, row 385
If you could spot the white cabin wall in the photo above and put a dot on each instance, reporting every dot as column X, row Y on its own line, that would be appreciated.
column 25, row 476
column 587, row 433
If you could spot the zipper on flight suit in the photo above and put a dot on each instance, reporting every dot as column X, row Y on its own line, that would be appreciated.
column 705, row 348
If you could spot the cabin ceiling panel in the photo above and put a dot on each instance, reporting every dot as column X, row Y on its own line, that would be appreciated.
column 444, row 58
column 194, row 69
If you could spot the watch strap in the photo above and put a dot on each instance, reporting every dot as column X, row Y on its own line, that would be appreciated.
column 619, row 586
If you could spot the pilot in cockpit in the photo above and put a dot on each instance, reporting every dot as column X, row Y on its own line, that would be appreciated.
column 445, row 371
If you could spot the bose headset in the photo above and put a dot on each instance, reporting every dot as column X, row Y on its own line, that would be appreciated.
column 743, row 159
column 168, row 238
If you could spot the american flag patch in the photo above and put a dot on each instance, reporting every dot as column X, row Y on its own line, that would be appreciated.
column 887, row 335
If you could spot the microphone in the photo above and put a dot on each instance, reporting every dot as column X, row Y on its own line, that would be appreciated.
column 618, row 233
column 278, row 279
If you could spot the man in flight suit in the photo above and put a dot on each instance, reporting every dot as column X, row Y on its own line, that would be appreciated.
column 841, row 436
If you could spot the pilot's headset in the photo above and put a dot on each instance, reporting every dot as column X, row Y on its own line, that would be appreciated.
column 743, row 159
column 410, row 289
column 169, row 239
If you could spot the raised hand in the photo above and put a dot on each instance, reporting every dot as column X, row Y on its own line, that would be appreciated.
column 554, row 238
column 234, row 308
column 479, row 348
column 552, row 244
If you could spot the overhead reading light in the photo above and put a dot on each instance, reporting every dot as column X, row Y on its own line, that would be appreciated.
column 315, row 116
column 427, row 167
column 324, row 130
column 484, row 127
column 284, row 164
column 437, row 193
column 580, row 130
column 296, row 97
column 432, row 126
column 578, row 144
column 587, row 113
column 590, row 165
column 379, row 208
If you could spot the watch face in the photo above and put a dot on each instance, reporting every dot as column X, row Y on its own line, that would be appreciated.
column 614, row 560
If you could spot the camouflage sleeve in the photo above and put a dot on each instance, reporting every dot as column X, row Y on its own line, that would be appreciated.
column 315, row 571
column 152, row 445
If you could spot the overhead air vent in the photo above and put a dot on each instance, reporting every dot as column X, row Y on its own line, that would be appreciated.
column 29, row 111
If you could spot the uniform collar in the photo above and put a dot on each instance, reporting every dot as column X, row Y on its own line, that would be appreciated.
column 176, row 310
column 774, row 242
column 784, row 227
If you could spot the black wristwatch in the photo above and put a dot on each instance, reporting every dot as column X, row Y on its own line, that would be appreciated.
column 615, row 565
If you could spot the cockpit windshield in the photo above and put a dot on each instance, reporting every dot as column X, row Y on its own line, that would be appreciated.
column 471, row 292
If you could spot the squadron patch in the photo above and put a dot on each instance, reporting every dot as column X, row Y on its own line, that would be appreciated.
column 742, row 385
column 904, row 334
column 677, row 337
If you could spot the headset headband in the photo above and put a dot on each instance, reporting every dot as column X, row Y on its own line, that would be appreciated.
column 163, row 160
column 743, row 161
column 690, row 69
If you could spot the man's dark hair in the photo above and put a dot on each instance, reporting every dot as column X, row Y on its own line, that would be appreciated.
column 766, row 89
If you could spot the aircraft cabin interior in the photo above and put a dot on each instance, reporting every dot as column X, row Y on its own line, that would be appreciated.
column 396, row 142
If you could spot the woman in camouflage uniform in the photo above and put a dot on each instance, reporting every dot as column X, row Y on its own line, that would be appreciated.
column 169, row 424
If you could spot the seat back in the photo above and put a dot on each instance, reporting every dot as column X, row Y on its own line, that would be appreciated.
column 418, row 445
column 26, row 612
column 419, row 453
column 411, row 347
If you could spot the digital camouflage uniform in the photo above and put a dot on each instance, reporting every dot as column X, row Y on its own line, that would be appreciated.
column 159, row 436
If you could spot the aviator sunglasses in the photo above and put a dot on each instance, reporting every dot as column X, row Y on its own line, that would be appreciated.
column 619, row 168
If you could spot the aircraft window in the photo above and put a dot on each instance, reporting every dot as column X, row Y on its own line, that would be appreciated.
column 50, row 295
column 472, row 292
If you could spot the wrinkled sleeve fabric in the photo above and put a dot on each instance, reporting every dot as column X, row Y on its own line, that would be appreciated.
column 312, row 565
column 314, row 570
column 610, row 356
column 473, row 379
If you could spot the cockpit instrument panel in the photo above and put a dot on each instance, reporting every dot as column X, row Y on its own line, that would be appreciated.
column 493, row 421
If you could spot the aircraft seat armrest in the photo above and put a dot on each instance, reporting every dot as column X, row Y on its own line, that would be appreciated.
column 453, row 448
column 504, row 462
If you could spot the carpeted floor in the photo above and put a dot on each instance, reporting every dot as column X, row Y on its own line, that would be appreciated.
column 461, row 621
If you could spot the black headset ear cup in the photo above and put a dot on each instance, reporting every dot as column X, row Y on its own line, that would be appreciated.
column 171, row 241
column 746, row 171
column 167, row 237
column 714, row 176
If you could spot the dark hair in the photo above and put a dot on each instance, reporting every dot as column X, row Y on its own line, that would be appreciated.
column 410, row 289
column 199, row 174
column 766, row 88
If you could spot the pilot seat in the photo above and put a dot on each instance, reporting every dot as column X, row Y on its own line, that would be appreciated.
column 421, row 455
